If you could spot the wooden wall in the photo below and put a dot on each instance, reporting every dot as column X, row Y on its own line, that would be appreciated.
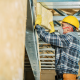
column 12, row 38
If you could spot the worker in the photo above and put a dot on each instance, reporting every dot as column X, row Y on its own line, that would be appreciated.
column 67, row 46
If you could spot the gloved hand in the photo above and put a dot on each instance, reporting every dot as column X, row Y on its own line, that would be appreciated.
column 52, row 27
column 38, row 20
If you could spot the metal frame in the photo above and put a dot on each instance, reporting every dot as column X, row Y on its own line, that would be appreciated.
column 47, row 62
column 61, row 5
column 56, row 22
column 47, row 58
column 30, row 42
column 61, row 12
column 57, row 0
column 59, row 18
column 76, row 14
column 47, row 54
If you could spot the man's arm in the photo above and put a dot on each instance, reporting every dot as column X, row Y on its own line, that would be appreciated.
column 49, row 37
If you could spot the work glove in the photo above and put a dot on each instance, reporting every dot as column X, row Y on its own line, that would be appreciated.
column 38, row 20
column 52, row 27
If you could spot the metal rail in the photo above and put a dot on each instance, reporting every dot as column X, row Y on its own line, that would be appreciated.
column 30, row 42
column 48, row 68
column 47, row 49
column 61, row 5
column 47, row 62
column 59, row 18
column 47, row 54
column 47, row 58
column 57, row 0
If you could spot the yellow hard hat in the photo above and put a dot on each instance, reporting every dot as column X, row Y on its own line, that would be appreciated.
column 72, row 20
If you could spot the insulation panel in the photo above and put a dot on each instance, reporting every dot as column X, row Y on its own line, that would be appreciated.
column 46, row 14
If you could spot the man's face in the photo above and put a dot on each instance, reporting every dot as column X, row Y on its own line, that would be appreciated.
column 64, row 25
column 66, row 28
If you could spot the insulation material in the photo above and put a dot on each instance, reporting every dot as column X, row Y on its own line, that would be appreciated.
column 50, row 17
column 44, row 17
column 39, row 9
column 46, row 14
column 12, row 38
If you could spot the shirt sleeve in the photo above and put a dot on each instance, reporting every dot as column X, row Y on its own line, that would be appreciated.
column 51, row 38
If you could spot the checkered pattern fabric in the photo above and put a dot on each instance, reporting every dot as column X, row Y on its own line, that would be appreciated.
column 67, row 50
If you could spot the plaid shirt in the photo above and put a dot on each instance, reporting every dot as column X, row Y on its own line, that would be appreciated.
column 67, row 50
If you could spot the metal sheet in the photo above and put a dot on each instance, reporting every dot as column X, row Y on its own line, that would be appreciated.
column 56, row 0
column 61, row 5
column 47, row 54
column 59, row 18
column 30, row 42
